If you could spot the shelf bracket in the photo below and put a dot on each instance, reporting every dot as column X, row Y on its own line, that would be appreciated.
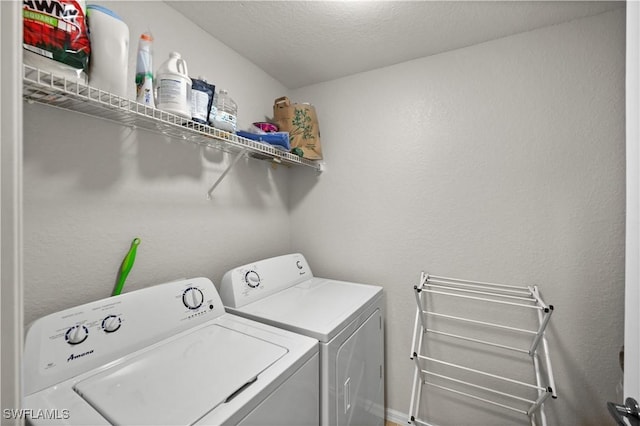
column 224, row 174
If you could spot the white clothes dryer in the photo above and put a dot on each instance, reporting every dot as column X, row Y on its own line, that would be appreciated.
column 167, row 355
column 346, row 318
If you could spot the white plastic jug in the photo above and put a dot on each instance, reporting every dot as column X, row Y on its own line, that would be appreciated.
column 109, row 36
column 174, row 86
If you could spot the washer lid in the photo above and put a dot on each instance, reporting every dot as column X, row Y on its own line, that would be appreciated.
column 178, row 382
column 319, row 308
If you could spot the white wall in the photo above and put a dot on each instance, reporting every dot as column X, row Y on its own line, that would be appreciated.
column 501, row 162
column 92, row 186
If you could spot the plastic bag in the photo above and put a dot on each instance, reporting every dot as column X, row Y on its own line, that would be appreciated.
column 56, row 38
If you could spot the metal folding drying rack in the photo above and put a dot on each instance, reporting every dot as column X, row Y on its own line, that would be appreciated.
column 481, row 292
column 46, row 88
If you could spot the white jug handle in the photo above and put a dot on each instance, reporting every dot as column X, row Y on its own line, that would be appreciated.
column 184, row 66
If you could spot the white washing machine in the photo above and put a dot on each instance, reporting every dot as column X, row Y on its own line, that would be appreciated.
column 346, row 318
column 167, row 355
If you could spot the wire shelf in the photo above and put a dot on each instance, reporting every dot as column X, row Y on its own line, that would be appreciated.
column 43, row 87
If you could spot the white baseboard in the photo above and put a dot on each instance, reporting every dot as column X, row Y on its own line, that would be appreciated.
column 403, row 419
column 397, row 417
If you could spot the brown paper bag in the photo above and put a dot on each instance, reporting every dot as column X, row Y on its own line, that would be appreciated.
column 301, row 121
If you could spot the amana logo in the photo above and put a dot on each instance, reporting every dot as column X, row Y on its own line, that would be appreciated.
column 72, row 356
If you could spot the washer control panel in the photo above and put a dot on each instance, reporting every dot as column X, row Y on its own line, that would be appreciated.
column 111, row 323
column 193, row 298
column 67, row 343
column 254, row 281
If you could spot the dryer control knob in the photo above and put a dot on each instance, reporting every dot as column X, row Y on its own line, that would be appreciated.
column 76, row 334
column 192, row 298
column 252, row 279
column 111, row 323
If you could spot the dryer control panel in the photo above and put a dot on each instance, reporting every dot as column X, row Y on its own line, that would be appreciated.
column 67, row 343
column 254, row 281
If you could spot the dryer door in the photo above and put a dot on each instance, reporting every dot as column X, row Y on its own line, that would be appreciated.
column 360, row 376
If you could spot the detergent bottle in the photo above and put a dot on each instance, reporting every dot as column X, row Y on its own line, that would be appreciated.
column 144, row 71
column 174, row 86
column 109, row 36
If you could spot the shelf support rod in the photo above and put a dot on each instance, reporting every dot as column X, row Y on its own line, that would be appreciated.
column 222, row 176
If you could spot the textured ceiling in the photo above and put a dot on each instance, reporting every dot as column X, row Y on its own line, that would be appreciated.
column 305, row 42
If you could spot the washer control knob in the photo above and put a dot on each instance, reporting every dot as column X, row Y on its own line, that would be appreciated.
column 192, row 298
column 76, row 334
column 252, row 279
column 111, row 323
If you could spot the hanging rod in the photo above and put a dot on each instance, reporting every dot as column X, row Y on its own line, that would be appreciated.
column 525, row 292
column 483, row 342
column 488, row 324
column 543, row 393
column 488, row 401
column 503, row 302
column 484, row 373
column 486, row 293
column 477, row 282
column 484, row 388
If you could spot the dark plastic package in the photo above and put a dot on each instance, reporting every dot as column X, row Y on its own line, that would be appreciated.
column 201, row 100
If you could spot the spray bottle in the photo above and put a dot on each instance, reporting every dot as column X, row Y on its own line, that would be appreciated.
column 144, row 71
